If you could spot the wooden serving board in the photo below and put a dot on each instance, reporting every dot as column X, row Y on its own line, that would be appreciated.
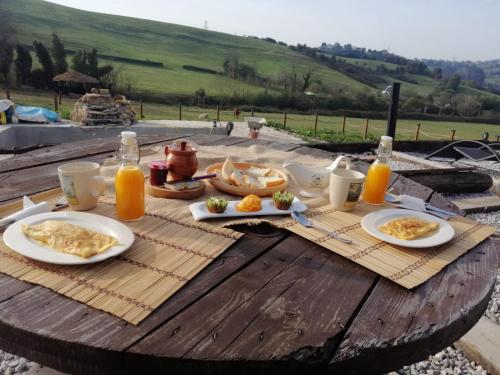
column 243, row 191
column 160, row 192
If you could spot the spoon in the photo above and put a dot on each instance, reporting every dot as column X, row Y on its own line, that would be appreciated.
column 303, row 220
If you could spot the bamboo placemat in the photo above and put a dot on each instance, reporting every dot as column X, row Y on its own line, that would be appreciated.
column 167, row 253
column 405, row 266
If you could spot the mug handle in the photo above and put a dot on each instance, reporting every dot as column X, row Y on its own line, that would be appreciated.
column 99, row 188
column 337, row 161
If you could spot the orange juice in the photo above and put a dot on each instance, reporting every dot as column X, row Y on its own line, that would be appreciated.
column 129, row 187
column 376, row 183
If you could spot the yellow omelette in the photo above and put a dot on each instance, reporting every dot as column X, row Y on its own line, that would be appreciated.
column 409, row 228
column 69, row 238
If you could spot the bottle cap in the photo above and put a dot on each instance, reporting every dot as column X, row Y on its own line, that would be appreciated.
column 128, row 137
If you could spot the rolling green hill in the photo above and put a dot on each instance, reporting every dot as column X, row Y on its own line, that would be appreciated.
column 175, row 46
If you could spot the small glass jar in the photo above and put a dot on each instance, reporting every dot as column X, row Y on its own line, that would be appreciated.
column 158, row 171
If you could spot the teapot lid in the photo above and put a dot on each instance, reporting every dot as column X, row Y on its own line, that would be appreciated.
column 181, row 146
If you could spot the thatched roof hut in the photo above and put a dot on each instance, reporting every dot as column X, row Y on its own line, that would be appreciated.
column 73, row 81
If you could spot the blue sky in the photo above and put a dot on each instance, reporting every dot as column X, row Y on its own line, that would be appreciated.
column 448, row 29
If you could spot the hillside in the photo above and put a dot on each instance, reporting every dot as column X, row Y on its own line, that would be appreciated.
column 173, row 45
column 176, row 45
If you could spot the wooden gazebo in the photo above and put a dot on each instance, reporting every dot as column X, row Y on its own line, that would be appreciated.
column 76, row 82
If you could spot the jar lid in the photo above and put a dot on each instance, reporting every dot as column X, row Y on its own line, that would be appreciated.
column 386, row 138
column 182, row 146
column 159, row 164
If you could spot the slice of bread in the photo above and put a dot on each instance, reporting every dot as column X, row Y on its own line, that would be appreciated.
column 236, row 178
column 271, row 181
column 258, row 172
column 227, row 169
column 251, row 182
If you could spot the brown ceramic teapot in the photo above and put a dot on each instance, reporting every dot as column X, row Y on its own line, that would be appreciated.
column 182, row 161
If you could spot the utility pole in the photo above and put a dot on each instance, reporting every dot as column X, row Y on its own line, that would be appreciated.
column 393, row 110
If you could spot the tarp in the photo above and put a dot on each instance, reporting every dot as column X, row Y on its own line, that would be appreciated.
column 5, row 104
column 36, row 114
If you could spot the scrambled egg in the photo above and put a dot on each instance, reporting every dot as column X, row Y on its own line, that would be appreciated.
column 251, row 203
column 408, row 228
column 69, row 238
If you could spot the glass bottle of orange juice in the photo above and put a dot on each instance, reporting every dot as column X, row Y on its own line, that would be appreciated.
column 129, row 180
column 379, row 174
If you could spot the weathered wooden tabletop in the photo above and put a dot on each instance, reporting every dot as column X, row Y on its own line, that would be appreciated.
column 273, row 302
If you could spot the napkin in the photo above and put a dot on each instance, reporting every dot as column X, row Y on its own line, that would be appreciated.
column 412, row 202
column 29, row 208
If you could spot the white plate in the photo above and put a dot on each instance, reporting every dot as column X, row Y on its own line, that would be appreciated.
column 371, row 222
column 200, row 210
column 17, row 241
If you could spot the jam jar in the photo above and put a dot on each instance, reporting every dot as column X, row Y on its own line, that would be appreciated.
column 158, row 171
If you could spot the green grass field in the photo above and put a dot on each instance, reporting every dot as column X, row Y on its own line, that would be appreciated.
column 303, row 124
column 175, row 46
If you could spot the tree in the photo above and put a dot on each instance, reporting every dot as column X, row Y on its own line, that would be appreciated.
column 23, row 65
column 43, row 76
column 79, row 61
column 88, row 63
column 454, row 82
column 467, row 105
column 6, row 46
column 93, row 64
column 437, row 73
column 413, row 104
column 6, row 57
column 307, row 77
column 59, row 55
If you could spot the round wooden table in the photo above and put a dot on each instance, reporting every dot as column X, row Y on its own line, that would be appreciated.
column 272, row 303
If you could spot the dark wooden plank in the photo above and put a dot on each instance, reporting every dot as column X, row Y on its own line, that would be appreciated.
column 403, row 185
column 196, row 322
column 434, row 171
column 42, row 324
column 479, row 204
column 461, row 182
column 32, row 180
column 279, row 308
column 440, row 201
column 398, row 326
column 303, row 322
column 71, row 151
column 9, row 287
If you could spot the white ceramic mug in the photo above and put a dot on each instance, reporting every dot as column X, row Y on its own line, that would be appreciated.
column 345, row 186
column 82, row 184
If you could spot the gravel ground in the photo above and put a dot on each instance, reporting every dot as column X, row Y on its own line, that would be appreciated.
column 450, row 361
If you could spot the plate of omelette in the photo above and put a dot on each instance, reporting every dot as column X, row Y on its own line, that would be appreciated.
column 68, row 238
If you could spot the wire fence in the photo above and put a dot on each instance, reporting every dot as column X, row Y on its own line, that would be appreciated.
column 314, row 124
column 309, row 124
